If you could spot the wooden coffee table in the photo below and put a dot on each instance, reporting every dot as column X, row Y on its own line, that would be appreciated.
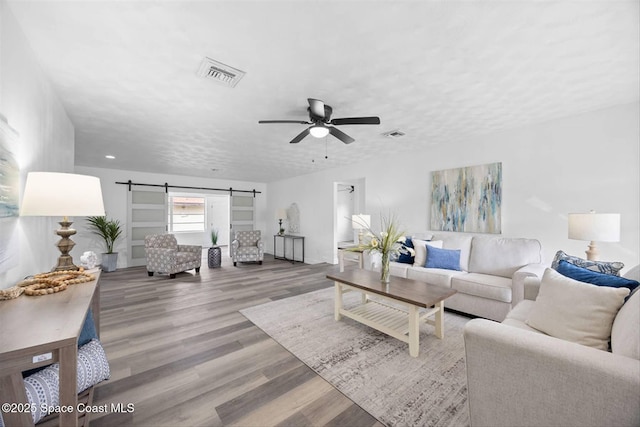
column 401, row 323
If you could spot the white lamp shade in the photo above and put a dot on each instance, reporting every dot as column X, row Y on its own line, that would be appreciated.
column 597, row 227
column 281, row 213
column 319, row 131
column 61, row 194
column 361, row 222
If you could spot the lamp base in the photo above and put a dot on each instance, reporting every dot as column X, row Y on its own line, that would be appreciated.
column 65, row 244
column 360, row 237
column 592, row 252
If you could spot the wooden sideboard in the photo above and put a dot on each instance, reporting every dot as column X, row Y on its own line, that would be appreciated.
column 37, row 331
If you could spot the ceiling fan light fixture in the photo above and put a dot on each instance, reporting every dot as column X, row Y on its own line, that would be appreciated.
column 319, row 131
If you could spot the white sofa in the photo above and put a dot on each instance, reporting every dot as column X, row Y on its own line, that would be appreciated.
column 491, row 267
column 518, row 376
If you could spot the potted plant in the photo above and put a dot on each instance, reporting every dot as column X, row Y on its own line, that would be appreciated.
column 110, row 230
column 214, row 258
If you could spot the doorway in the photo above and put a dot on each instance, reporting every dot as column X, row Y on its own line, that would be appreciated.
column 218, row 217
column 348, row 200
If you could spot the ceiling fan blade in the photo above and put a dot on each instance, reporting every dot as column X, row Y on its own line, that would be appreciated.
column 285, row 121
column 340, row 135
column 300, row 136
column 356, row 121
column 316, row 107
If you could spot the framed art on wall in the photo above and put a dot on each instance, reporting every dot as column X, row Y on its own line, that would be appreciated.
column 467, row 199
column 9, row 196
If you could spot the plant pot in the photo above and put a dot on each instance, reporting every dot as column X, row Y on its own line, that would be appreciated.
column 109, row 262
column 214, row 257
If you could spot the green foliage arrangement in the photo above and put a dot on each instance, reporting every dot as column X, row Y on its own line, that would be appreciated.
column 214, row 236
column 109, row 230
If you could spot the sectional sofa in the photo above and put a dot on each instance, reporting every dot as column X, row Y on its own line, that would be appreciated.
column 521, row 376
column 489, row 266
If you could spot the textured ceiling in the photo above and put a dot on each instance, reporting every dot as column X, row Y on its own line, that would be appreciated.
column 438, row 71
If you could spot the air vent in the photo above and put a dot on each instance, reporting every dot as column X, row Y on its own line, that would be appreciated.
column 393, row 134
column 220, row 73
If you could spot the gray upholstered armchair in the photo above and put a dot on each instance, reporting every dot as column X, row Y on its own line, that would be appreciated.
column 165, row 255
column 247, row 246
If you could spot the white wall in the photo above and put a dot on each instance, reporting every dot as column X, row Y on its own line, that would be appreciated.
column 45, row 142
column 574, row 164
column 115, row 203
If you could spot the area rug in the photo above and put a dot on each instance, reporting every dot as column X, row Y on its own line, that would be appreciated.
column 373, row 370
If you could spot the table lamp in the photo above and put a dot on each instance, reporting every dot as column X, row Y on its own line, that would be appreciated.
column 65, row 195
column 281, row 215
column 594, row 227
column 360, row 222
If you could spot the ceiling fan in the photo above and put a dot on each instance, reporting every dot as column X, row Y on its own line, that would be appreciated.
column 320, row 117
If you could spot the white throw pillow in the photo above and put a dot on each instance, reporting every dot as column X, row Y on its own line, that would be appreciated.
column 576, row 311
column 421, row 250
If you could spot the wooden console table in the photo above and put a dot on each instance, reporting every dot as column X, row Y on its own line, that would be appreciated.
column 38, row 331
column 293, row 239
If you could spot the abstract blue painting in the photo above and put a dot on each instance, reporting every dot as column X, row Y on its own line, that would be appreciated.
column 467, row 199
column 9, row 197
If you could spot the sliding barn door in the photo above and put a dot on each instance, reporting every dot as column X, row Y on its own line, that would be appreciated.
column 147, row 214
column 242, row 213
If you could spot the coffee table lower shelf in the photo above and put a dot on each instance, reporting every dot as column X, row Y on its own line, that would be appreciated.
column 402, row 324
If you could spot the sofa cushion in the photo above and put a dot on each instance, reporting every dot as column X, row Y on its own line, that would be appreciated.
column 247, row 250
column 501, row 256
column 397, row 269
column 599, row 266
column 448, row 259
column 576, row 311
column 460, row 241
column 517, row 317
column 594, row 277
column 420, row 246
column 433, row 276
column 422, row 236
column 625, row 333
column 483, row 285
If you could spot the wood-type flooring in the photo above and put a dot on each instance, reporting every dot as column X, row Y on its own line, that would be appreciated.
column 182, row 355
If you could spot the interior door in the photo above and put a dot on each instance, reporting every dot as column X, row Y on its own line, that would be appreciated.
column 147, row 214
column 242, row 213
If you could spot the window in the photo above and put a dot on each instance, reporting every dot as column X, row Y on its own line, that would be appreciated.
column 186, row 214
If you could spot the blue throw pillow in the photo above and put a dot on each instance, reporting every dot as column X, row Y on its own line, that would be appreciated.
column 88, row 332
column 606, row 267
column 448, row 259
column 595, row 278
column 406, row 258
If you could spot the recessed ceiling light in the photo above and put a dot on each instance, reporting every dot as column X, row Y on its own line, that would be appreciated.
column 109, row 156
